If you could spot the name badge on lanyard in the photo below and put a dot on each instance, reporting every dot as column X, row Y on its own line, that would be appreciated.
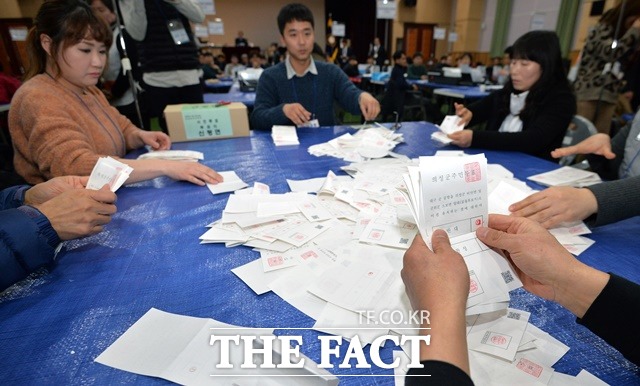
column 178, row 32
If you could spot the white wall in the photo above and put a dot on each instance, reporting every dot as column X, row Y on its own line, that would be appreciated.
column 522, row 14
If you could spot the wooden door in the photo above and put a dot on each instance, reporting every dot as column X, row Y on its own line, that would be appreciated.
column 13, row 45
column 419, row 37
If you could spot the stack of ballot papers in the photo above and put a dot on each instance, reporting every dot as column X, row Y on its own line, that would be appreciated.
column 567, row 176
column 174, row 155
column 339, row 251
column 369, row 143
column 108, row 171
column 449, row 125
column 284, row 135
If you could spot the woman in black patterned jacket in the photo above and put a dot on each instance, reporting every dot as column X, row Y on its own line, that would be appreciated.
column 599, row 79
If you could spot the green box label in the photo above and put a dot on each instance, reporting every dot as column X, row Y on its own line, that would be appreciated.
column 206, row 121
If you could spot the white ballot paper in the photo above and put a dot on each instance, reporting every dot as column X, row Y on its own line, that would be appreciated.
column 108, row 171
column 448, row 193
column 184, row 354
column 499, row 334
column 441, row 137
column 284, row 135
column 230, row 183
column 450, row 124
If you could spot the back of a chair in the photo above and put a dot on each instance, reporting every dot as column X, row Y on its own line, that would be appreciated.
column 579, row 129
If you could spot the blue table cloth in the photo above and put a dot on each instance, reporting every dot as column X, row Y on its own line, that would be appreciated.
column 55, row 323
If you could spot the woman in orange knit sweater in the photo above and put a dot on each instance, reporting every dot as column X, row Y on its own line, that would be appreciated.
column 61, row 123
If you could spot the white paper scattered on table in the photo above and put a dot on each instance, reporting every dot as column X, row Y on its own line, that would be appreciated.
column 326, row 275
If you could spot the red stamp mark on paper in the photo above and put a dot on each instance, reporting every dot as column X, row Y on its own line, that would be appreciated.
column 472, row 172
column 299, row 236
column 274, row 261
column 376, row 234
column 498, row 340
column 529, row 367
column 473, row 287
column 309, row 254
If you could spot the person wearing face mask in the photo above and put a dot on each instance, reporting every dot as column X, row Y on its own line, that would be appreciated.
column 61, row 123
column 533, row 110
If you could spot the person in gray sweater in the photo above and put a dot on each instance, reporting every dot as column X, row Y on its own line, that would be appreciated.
column 598, row 204
column 301, row 91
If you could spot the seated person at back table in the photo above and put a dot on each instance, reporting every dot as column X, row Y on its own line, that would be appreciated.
column 532, row 112
column 438, row 281
column 33, row 221
column 61, row 123
column 301, row 90
column 351, row 67
column 417, row 70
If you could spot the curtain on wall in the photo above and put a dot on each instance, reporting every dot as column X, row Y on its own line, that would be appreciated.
column 567, row 24
column 500, row 27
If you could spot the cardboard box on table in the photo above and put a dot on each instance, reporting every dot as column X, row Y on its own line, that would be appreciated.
column 204, row 121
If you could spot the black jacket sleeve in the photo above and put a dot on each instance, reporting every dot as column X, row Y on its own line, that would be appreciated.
column 437, row 373
column 614, row 317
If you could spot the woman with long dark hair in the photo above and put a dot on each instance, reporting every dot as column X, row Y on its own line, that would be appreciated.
column 61, row 123
column 533, row 110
